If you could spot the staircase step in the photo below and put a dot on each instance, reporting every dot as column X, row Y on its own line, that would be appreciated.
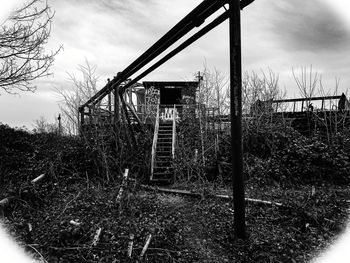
column 164, row 156
column 164, row 147
column 164, row 142
column 163, row 168
column 167, row 154
column 165, row 136
column 163, row 164
column 164, row 152
column 162, row 176
column 168, row 132
column 161, row 181
column 163, row 161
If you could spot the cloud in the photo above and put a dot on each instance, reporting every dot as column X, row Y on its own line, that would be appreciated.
column 308, row 26
column 113, row 33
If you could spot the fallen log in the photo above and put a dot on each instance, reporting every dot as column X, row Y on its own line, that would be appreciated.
column 171, row 191
column 225, row 197
column 124, row 182
column 38, row 179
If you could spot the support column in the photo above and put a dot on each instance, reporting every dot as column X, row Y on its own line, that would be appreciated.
column 116, row 106
column 236, row 118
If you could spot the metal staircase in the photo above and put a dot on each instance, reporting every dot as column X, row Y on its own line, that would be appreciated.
column 163, row 150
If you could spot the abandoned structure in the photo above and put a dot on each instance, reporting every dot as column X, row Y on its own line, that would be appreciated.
column 153, row 105
column 307, row 114
column 159, row 106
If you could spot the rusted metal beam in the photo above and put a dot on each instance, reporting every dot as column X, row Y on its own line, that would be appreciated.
column 308, row 99
column 219, row 20
column 236, row 118
column 116, row 105
column 194, row 19
column 130, row 130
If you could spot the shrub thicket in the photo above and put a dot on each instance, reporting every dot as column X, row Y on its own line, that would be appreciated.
column 275, row 151
column 25, row 155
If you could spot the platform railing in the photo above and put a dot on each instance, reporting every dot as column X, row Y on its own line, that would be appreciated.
column 154, row 144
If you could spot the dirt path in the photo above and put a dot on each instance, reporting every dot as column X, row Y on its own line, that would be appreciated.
column 194, row 229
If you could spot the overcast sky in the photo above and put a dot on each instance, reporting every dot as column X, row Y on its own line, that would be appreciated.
column 112, row 33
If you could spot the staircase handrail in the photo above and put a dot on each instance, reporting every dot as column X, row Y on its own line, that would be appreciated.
column 154, row 145
column 174, row 133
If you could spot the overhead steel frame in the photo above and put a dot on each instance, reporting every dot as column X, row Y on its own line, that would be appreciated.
column 195, row 19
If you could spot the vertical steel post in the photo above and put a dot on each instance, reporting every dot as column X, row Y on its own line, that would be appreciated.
column 116, row 106
column 110, row 108
column 81, row 120
column 302, row 106
column 59, row 124
column 236, row 118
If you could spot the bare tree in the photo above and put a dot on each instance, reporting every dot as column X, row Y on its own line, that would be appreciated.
column 262, row 87
column 41, row 125
column 22, row 39
column 80, row 91
column 307, row 82
column 214, row 90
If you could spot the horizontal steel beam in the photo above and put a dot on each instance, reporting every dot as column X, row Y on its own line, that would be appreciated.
column 307, row 99
column 194, row 19
column 177, row 50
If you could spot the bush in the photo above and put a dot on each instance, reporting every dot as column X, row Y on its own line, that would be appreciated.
column 275, row 151
column 308, row 159
column 263, row 136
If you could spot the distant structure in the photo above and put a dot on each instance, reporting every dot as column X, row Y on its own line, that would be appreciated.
column 307, row 114
column 154, row 105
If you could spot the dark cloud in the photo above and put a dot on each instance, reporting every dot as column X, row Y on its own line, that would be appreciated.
column 308, row 26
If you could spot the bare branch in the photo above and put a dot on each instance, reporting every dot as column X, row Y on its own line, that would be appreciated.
column 80, row 91
column 22, row 53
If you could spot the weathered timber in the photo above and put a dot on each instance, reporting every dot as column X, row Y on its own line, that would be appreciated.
column 38, row 179
column 145, row 247
column 199, row 195
column 124, row 183
column 97, row 237
column 130, row 245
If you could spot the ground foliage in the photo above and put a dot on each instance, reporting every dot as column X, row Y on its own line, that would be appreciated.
column 195, row 158
column 183, row 229
column 273, row 151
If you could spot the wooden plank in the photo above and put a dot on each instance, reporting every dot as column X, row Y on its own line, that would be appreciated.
column 97, row 237
column 145, row 247
column 199, row 195
column 124, row 183
column 38, row 179
column 130, row 245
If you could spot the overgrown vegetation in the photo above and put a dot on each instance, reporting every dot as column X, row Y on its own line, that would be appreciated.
column 281, row 165
column 306, row 174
